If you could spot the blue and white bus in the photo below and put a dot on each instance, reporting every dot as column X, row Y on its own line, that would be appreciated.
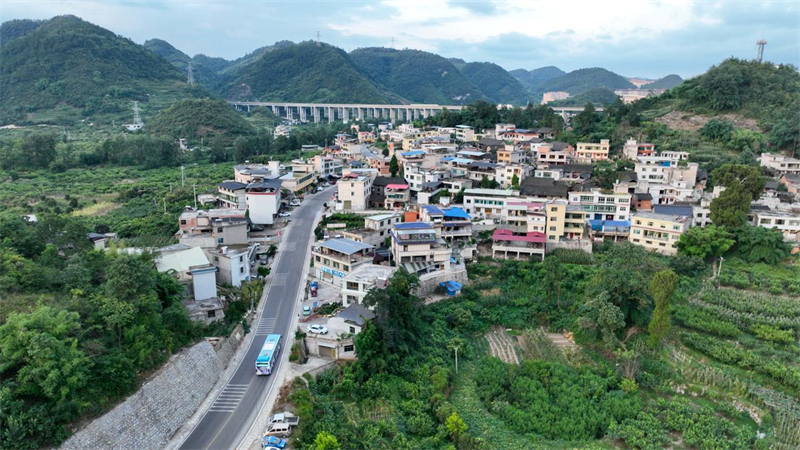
column 268, row 354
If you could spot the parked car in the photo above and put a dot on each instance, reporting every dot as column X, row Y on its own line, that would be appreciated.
column 284, row 417
column 320, row 188
column 284, row 214
column 256, row 228
column 283, row 430
column 326, row 184
column 295, row 203
column 317, row 329
column 312, row 288
column 306, row 311
column 264, row 259
column 270, row 442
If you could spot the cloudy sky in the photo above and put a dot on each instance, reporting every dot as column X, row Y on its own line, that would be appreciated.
column 633, row 38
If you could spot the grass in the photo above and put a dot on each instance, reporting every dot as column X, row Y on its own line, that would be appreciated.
column 96, row 209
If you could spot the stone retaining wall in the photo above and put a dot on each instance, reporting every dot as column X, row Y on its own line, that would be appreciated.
column 147, row 419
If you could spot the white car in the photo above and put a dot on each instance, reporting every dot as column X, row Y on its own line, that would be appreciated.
column 320, row 189
column 317, row 329
column 295, row 203
column 284, row 214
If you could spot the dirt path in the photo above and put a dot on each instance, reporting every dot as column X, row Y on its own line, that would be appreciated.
column 501, row 346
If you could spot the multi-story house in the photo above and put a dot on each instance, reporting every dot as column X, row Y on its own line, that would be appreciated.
column 780, row 164
column 589, row 151
column 602, row 205
column 770, row 213
column 518, row 245
column 553, row 154
column 658, row 232
column 504, row 174
column 418, row 176
column 417, row 248
column 518, row 135
column 452, row 224
column 232, row 194
column 193, row 221
column 246, row 173
column 633, row 150
column 263, row 200
column 510, row 154
column 230, row 231
column 465, row 133
column 376, row 229
column 298, row 182
column 232, row 263
column 335, row 258
column 354, row 191
column 363, row 279
column 478, row 170
column 397, row 196
column 486, row 203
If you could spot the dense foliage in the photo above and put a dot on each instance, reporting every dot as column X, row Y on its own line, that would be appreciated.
column 206, row 70
column 305, row 72
column 595, row 96
column 582, row 80
column 192, row 119
column 531, row 78
column 415, row 75
column 67, row 61
column 668, row 82
column 496, row 84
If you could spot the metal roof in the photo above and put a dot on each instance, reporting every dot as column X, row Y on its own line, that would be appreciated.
column 346, row 246
column 232, row 185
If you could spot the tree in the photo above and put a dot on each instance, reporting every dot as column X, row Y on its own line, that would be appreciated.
column 515, row 182
column 748, row 177
column 662, row 287
column 623, row 277
column 717, row 130
column 584, row 122
column 251, row 292
column 553, row 275
column 455, row 426
column 393, row 166
column 759, row 244
column 598, row 318
column 730, row 209
column 218, row 152
column 325, row 441
column 705, row 242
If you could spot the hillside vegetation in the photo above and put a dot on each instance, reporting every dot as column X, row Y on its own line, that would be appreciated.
column 14, row 29
column 596, row 96
column 71, row 64
column 206, row 70
column 668, row 82
column 497, row 84
column 532, row 78
column 415, row 75
column 582, row 80
column 305, row 72
column 198, row 118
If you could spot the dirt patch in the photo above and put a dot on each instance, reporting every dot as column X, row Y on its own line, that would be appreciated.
column 686, row 121
column 492, row 291
column 501, row 346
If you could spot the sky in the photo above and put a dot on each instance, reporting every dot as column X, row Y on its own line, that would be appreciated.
column 633, row 38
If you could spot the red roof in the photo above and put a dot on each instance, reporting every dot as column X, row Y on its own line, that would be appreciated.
column 507, row 235
column 397, row 186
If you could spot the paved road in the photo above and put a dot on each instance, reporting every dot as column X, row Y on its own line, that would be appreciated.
column 233, row 412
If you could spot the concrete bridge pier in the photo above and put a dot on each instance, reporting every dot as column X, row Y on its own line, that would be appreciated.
column 303, row 117
column 289, row 114
column 315, row 112
column 275, row 110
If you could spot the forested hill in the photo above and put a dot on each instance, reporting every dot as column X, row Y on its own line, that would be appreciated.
column 532, row 78
column 240, row 63
column 582, row 80
column 206, row 70
column 199, row 118
column 668, row 82
column 415, row 75
column 305, row 72
column 495, row 83
column 69, row 63
column 14, row 29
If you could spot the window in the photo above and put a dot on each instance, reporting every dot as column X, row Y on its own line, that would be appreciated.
column 554, row 219
column 219, row 230
column 241, row 269
column 219, row 240
column 241, row 259
column 216, row 258
column 637, row 231
column 552, row 228
column 318, row 258
column 675, row 227
column 335, row 265
column 349, row 348
column 183, row 222
column 211, row 314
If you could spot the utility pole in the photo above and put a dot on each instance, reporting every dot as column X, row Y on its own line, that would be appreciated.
column 165, row 204
column 181, row 176
column 194, row 192
column 719, row 270
column 456, row 349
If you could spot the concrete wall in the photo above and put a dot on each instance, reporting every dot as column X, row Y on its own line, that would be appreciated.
column 429, row 282
column 149, row 418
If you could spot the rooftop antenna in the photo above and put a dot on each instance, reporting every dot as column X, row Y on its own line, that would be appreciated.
column 760, row 43
column 190, row 76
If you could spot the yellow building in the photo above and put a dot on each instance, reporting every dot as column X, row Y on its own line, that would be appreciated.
column 658, row 232
column 563, row 222
column 589, row 151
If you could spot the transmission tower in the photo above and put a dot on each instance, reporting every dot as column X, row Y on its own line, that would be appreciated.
column 190, row 76
column 318, row 39
column 136, row 119
column 392, row 42
column 760, row 43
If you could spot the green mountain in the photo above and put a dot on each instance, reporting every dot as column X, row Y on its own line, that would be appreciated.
column 497, row 84
column 531, row 78
column 14, row 29
column 417, row 76
column 668, row 82
column 582, row 80
column 596, row 96
column 205, row 69
column 305, row 72
column 458, row 62
column 196, row 118
column 67, row 67
column 239, row 63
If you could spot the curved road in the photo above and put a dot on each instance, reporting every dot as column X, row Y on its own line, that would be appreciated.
column 228, row 420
